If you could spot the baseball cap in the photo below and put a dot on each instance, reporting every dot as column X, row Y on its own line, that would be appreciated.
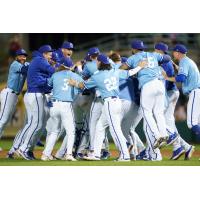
column 67, row 62
column 21, row 52
column 161, row 46
column 87, row 57
column 138, row 44
column 45, row 48
column 67, row 45
column 93, row 50
column 103, row 58
column 124, row 59
column 180, row 48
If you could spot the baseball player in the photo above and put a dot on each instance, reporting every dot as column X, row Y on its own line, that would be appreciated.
column 152, row 93
column 20, row 136
column 66, row 50
column 62, row 111
column 39, row 71
column 9, row 95
column 106, row 80
column 188, row 75
column 180, row 146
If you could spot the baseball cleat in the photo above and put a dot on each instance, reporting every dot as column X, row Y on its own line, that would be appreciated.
column 177, row 153
column 10, row 155
column 105, row 155
column 1, row 149
column 157, row 142
column 172, row 138
column 189, row 152
column 91, row 158
column 123, row 160
column 47, row 158
column 31, row 155
column 163, row 142
column 79, row 156
column 69, row 157
column 24, row 155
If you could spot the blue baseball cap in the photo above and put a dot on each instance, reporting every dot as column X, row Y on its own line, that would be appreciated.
column 161, row 46
column 180, row 48
column 45, row 48
column 21, row 52
column 103, row 58
column 67, row 45
column 67, row 62
column 93, row 50
column 138, row 44
column 124, row 59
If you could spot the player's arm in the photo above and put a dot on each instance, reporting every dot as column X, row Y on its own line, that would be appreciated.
column 141, row 65
column 124, row 67
column 178, row 78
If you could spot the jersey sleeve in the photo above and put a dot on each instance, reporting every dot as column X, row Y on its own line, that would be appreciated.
column 130, row 63
column 123, row 74
column 90, row 83
column 183, row 69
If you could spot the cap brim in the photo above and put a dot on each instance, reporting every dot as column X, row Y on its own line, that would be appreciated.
column 24, row 54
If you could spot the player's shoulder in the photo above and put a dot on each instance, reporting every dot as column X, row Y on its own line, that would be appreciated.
column 15, row 64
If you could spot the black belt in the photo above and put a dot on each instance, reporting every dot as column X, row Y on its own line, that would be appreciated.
column 55, row 100
column 112, row 97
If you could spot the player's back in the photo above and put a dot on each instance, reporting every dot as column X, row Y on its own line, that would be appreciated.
column 193, row 76
column 107, row 81
column 89, row 68
column 148, row 73
column 62, row 91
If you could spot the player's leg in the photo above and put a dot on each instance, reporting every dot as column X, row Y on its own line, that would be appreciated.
column 53, row 132
column 153, row 154
column 148, row 99
column 95, row 113
column 193, row 111
column 68, row 121
column 8, row 104
column 158, row 109
column 36, row 100
column 112, row 110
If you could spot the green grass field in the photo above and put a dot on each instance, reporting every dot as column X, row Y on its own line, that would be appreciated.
column 5, row 144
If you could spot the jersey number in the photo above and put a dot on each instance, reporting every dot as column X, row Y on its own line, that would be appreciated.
column 66, row 86
column 111, row 84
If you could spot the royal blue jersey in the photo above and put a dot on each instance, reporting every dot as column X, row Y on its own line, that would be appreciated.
column 38, row 73
column 169, row 69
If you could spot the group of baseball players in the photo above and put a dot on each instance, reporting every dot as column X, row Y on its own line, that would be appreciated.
column 82, row 103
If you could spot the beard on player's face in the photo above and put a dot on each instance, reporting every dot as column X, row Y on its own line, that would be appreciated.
column 21, row 59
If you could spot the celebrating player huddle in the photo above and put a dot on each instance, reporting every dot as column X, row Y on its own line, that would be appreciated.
column 82, row 103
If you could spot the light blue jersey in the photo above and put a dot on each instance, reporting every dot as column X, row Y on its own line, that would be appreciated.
column 16, row 77
column 62, row 91
column 107, row 81
column 188, row 68
column 127, row 87
column 148, row 73
column 89, row 68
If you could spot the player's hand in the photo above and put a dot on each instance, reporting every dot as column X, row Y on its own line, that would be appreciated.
column 143, row 63
column 164, row 74
column 72, row 82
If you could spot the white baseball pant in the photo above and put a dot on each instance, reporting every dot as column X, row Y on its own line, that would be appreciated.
column 8, row 104
column 61, row 112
